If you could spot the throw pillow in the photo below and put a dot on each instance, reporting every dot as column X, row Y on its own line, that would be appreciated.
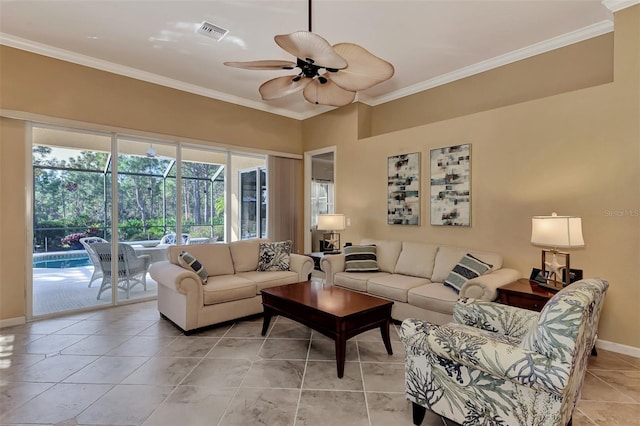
column 467, row 268
column 360, row 259
column 188, row 261
column 274, row 256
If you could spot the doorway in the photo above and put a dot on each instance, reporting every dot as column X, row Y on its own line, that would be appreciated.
column 320, row 189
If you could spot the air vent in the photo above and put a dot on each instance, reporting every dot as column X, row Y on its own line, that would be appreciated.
column 213, row 31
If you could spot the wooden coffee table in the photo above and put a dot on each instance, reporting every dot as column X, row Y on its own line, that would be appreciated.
column 337, row 313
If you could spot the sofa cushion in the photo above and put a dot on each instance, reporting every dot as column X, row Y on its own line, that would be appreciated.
column 360, row 259
column 434, row 297
column 448, row 257
column 188, row 261
column 225, row 288
column 274, row 256
column 215, row 258
column 270, row 278
column 416, row 259
column 357, row 282
column 245, row 254
column 394, row 286
column 467, row 268
column 387, row 252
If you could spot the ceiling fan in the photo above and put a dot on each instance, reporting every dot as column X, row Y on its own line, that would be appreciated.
column 329, row 75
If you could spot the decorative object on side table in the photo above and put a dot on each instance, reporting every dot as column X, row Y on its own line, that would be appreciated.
column 556, row 232
column 331, row 223
column 403, row 186
column 451, row 186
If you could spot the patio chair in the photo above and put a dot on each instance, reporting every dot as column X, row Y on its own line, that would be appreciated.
column 132, row 269
column 170, row 239
column 86, row 243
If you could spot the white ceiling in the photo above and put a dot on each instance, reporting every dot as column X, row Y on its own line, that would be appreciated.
column 428, row 42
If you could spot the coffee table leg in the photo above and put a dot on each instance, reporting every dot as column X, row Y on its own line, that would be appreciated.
column 384, row 330
column 266, row 320
column 341, row 348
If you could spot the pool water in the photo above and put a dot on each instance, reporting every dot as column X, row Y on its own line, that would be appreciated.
column 66, row 262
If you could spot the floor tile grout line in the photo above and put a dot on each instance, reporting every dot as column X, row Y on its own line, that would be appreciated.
column 237, row 389
column 304, row 374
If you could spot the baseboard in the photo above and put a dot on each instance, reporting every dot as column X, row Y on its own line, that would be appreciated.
column 618, row 348
column 10, row 322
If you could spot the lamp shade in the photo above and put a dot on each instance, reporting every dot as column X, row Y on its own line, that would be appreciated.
column 331, row 222
column 557, row 231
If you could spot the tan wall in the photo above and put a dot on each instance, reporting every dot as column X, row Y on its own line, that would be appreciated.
column 35, row 84
column 576, row 153
column 12, row 214
column 573, row 67
column 55, row 88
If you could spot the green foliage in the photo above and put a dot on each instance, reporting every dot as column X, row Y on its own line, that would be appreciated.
column 73, row 195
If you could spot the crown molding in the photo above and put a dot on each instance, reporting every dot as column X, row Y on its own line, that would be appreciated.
column 582, row 34
column 616, row 5
column 88, row 61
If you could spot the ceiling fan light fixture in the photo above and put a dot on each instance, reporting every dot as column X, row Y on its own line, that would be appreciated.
column 329, row 75
column 151, row 152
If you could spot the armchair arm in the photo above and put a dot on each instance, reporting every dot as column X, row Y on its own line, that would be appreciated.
column 301, row 264
column 493, row 357
column 332, row 264
column 177, row 278
column 485, row 287
column 146, row 260
column 490, row 316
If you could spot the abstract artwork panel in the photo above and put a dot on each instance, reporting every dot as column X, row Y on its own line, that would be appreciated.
column 403, row 203
column 451, row 186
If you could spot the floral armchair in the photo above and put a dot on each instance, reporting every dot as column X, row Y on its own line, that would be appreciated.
column 500, row 365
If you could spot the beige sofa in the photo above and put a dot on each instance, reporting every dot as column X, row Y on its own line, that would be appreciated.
column 411, row 274
column 233, row 285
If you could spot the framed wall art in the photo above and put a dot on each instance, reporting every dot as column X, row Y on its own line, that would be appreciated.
column 403, row 202
column 450, row 194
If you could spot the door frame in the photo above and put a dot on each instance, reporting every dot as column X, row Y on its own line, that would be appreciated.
column 307, row 190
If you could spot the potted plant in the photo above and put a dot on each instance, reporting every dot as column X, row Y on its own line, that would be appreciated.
column 73, row 240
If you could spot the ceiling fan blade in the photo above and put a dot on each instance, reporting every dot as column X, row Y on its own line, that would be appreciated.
column 263, row 65
column 364, row 71
column 304, row 44
column 282, row 86
column 328, row 93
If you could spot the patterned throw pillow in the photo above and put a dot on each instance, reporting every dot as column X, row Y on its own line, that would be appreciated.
column 360, row 259
column 188, row 261
column 274, row 256
column 467, row 268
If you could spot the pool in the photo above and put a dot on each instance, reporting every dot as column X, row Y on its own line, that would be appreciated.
column 61, row 260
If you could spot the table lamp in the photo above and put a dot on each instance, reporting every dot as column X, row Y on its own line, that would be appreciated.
column 556, row 232
column 331, row 223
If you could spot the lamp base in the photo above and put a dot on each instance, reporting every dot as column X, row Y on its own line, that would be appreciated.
column 331, row 242
column 552, row 270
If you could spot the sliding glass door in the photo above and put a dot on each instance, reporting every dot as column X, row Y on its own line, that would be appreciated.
column 107, row 206
column 70, row 204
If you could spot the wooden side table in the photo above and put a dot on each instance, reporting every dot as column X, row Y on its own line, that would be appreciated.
column 524, row 294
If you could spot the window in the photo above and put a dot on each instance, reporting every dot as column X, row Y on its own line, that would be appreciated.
column 253, row 203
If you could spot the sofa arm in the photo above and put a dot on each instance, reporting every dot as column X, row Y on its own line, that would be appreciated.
column 177, row 278
column 485, row 287
column 491, row 316
column 331, row 264
column 301, row 264
column 492, row 356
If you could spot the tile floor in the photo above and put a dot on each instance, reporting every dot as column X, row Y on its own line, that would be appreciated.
column 125, row 366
